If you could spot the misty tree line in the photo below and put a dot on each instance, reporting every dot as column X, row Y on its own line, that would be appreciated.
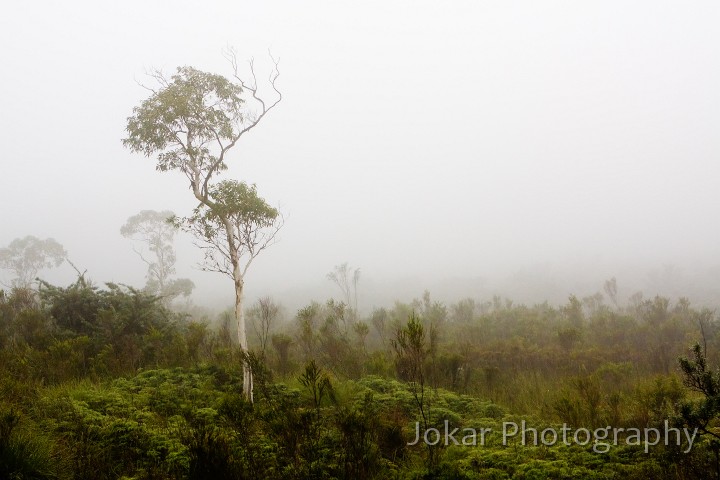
column 572, row 363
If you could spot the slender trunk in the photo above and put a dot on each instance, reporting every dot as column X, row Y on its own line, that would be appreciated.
column 242, row 334
column 239, row 315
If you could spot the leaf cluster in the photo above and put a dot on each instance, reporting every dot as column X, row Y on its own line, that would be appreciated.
column 192, row 110
column 236, row 223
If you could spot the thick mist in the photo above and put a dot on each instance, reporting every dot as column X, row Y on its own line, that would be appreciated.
column 523, row 149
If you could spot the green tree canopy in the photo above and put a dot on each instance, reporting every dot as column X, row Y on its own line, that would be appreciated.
column 239, row 226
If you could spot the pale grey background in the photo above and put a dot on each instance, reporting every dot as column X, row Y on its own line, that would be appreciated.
column 531, row 149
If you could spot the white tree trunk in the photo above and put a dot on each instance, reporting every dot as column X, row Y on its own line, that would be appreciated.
column 242, row 334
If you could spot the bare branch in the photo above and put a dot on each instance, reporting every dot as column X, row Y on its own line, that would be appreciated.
column 268, row 240
column 139, row 253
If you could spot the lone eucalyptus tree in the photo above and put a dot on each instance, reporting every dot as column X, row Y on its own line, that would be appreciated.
column 189, row 124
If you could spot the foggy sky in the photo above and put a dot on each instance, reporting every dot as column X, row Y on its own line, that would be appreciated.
column 470, row 148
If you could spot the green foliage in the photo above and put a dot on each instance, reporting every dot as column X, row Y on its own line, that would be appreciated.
column 241, row 203
column 317, row 384
column 411, row 350
column 101, row 383
column 281, row 343
column 233, row 223
column 202, row 106
column 24, row 453
column 323, row 334
column 704, row 413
